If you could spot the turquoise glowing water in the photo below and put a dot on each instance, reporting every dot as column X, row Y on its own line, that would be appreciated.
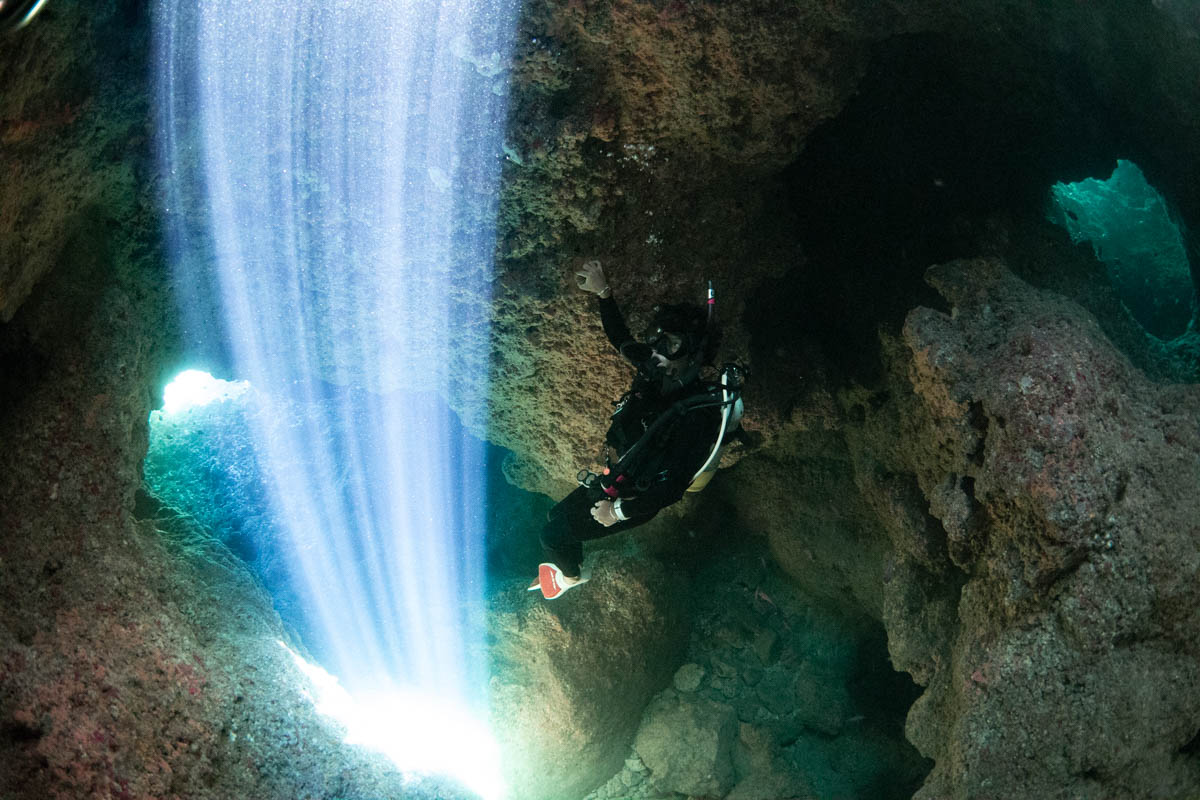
column 330, row 188
column 1131, row 230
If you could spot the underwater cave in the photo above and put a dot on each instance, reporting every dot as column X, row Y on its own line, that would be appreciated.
column 953, row 551
column 1132, row 230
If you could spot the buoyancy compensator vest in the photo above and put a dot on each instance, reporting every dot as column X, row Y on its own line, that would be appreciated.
column 640, row 461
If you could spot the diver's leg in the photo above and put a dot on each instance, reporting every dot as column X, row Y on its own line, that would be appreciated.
column 560, row 541
column 572, row 525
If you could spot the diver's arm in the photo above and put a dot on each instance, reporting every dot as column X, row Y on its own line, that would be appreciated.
column 591, row 278
column 614, row 326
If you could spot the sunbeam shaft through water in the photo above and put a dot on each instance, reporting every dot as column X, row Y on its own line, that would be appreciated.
column 332, row 172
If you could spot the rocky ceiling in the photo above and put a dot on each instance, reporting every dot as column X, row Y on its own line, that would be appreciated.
column 971, row 465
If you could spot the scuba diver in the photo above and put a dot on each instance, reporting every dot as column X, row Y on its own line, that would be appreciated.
column 665, row 436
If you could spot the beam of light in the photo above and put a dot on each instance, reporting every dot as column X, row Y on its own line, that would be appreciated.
column 330, row 184
column 16, row 14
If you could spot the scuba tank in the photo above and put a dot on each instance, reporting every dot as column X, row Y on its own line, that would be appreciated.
column 730, row 381
column 731, row 417
column 630, row 473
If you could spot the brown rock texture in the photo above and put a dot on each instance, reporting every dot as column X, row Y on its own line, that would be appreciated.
column 688, row 746
column 1062, row 484
column 69, row 147
column 999, row 479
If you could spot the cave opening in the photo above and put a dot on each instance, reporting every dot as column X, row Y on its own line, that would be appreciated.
column 1132, row 231
column 948, row 150
column 207, row 484
column 205, row 464
column 946, row 143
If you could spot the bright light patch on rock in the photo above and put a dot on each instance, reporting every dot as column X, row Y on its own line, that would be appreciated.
column 193, row 387
column 420, row 734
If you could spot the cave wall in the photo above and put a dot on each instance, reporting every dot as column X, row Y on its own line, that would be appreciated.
column 875, row 487
column 671, row 142
column 995, row 468
column 1018, row 429
column 1058, row 482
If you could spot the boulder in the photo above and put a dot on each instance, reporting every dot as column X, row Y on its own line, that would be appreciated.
column 763, row 775
column 1075, row 653
column 687, row 742
column 570, row 678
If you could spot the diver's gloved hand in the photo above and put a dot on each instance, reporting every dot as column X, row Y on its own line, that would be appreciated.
column 590, row 278
column 603, row 513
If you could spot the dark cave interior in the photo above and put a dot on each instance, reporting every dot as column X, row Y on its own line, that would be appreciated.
column 945, row 140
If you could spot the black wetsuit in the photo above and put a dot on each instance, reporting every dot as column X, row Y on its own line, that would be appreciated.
column 665, row 465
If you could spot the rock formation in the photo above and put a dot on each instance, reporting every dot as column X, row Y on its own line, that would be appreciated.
column 961, row 560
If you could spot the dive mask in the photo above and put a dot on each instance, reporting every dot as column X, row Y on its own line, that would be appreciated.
column 667, row 344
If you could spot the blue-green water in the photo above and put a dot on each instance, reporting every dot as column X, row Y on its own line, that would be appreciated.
column 1130, row 228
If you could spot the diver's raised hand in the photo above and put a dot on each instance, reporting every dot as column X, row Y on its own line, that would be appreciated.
column 590, row 278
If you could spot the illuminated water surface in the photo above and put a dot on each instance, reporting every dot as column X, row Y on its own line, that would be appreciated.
column 330, row 182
